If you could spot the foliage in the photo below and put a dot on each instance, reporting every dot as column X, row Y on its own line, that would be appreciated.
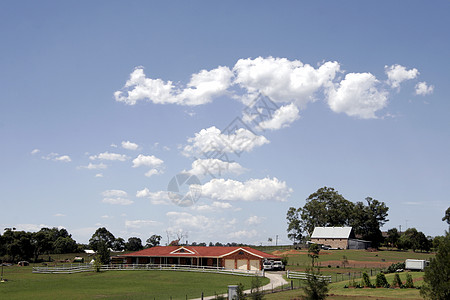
column 240, row 292
column 392, row 238
column 437, row 274
column 415, row 240
column 285, row 260
column 256, row 292
column 118, row 244
column 366, row 280
column 446, row 217
column 394, row 267
column 133, row 244
column 313, row 252
column 103, row 254
column 409, row 281
column 325, row 207
column 64, row 245
column 368, row 219
column 101, row 236
column 315, row 287
column 153, row 241
column 397, row 282
column 294, row 229
column 381, row 281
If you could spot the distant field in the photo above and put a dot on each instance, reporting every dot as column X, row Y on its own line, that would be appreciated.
column 22, row 284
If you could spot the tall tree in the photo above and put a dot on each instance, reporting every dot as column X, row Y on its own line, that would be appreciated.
column 437, row 274
column 101, row 235
column 367, row 220
column 294, row 229
column 153, row 241
column 447, row 216
column 118, row 244
column 326, row 207
column 392, row 237
column 134, row 244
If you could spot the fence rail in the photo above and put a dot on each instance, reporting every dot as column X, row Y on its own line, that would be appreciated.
column 130, row 267
column 304, row 276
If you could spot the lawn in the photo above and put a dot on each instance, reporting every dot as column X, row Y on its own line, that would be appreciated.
column 338, row 291
column 22, row 284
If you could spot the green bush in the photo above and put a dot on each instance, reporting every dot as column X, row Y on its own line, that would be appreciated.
column 381, row 281
column 366, row 280
column 409, row 282
column 395, row 266
column 397, row 281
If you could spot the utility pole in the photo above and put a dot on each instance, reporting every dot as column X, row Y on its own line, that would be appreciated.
column 276, row 240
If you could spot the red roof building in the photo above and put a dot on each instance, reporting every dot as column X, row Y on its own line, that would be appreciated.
column 244, row 258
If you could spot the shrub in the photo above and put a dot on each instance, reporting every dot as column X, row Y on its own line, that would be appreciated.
column 409, row 282
column 381, row 281
column 366, row 280
column 395, row 266
column 397, row 281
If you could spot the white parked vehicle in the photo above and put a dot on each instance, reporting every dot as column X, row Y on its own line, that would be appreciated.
column 278, row 265
column 268, row 265
column 416, row 264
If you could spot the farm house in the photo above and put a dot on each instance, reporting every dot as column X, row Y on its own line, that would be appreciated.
column 244, row 258
column 338, row 238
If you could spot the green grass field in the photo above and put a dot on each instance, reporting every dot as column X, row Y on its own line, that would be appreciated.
column 338, row 292
column 22, row 284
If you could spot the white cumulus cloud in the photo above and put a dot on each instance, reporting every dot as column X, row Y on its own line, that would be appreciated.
column 254, row 220
column 212, row 140
column 358, row 95
column 56, row 157
column 147, row 160
column 397, row 74
column 266, row 189
column 129, row 145
column 422, row 88
column 92, row 166
column 35, row 151
column 156, row 198
column 283, row 117
column 202, row 87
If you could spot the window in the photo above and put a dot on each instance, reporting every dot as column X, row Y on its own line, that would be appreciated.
column 241, row 252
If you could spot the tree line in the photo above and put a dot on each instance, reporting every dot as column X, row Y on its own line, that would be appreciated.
column 327, row 208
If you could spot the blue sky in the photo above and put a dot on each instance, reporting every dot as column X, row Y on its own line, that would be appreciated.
column 105, row 102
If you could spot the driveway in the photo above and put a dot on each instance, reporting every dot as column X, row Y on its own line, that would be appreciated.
column 276, row 280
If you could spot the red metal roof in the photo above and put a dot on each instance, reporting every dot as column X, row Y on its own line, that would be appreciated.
column 196, row 251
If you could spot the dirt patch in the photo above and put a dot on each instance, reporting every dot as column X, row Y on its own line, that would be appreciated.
column 357, row 264
column 287, row 252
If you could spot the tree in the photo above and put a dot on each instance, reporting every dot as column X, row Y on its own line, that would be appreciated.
column 392, row 237
column 103, row 253
column 153, row 241
column 313, row 252
column 437, row 274
column 368, row 219
column 101, row 235
column 134, row 244
column 326, row 207
column 64, row 245
column 447, row 216
column 118, row 244
column 294, row 224
column 415, row 240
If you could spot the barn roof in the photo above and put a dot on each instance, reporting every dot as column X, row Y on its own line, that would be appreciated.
column 197, row 251
column 332, row 232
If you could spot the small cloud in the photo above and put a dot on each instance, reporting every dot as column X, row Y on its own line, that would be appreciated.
column 114, row 145
column 59, row 215
column 422, row 88
column 129, row 145
column 35, row 151
column 116, row 197
column 98, row 175
column 254, row 220
column 56, row 157
column 397, row 74
column 109, row 156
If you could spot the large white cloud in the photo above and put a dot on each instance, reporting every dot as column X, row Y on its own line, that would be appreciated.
column 397, row 74
column 213, row 140
column 147, row 160
column 109, row 156
column 284, row 80
column 358, row 95
column 267, row 189
column 202, row 87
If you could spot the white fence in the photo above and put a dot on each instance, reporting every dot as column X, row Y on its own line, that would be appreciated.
column 69, row 269
column 304, row 276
